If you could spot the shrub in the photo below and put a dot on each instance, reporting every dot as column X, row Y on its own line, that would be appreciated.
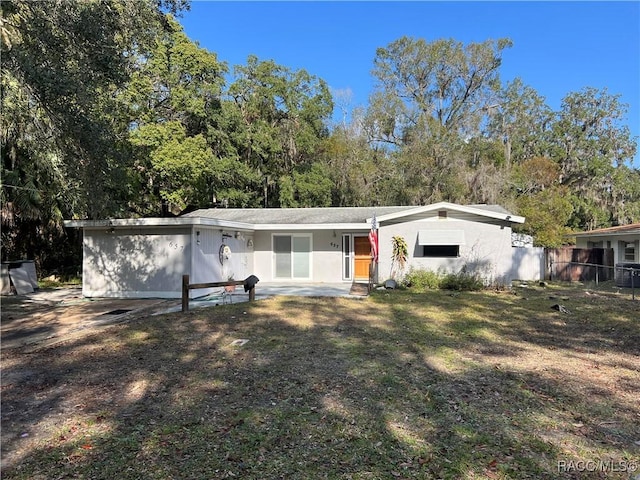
column 462, row 281
column 421, row 280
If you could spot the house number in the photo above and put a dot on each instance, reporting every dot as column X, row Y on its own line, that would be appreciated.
column 175, row 246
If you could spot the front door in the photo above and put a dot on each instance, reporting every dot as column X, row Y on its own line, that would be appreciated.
column 362, row 258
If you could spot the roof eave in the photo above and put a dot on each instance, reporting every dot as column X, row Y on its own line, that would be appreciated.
column 451, row 206
column 605, row 234
column 312, row 226
column 157, row 222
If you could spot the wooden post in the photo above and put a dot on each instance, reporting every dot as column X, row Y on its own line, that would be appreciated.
column 185, row 293
column 229, row 286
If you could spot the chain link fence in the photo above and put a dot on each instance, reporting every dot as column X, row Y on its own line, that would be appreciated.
column 623, row 278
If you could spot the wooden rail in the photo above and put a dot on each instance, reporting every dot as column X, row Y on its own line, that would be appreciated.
column 186, row 286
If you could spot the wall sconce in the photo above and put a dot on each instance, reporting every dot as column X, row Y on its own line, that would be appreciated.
column 198, row 237
column 236, row 234
column 250, row 243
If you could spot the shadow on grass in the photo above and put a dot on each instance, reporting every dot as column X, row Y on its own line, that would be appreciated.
column 324, row 388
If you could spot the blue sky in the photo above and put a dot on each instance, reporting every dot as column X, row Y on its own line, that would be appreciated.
column 558, row 47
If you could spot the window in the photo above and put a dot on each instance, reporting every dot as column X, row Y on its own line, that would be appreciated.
column 441, row 250
column 629, row 252
column 346, row 257
column 441, row 243
column 292, row 256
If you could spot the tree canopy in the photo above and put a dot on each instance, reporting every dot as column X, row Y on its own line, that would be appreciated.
column 109, row 109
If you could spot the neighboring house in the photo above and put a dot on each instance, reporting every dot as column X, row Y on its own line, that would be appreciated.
column 624, row 240
column 147, row 257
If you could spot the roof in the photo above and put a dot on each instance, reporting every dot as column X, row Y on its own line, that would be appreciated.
column 301, row 218
column 619, row 230
column 491, row 212
column 279, row 216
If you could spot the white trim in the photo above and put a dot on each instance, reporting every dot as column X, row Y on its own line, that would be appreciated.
column 450, row 206
column 348, row 257
column 158, row 222
column 628, row 233
column 243, row 226
column 312, row 226
column 210, row 222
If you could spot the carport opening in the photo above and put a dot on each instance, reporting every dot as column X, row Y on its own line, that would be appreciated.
column 119, row 311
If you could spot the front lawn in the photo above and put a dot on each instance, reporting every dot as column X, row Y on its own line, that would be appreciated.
column 399, row 385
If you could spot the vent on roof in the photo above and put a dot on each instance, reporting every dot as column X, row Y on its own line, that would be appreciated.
column 442, row 214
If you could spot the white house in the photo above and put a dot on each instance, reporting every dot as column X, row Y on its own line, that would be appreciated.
column 624, row 240
column 147, row 257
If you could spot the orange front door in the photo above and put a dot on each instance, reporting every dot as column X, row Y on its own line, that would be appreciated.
column 362, row 257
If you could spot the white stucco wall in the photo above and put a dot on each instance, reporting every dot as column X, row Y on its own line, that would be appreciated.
column 326, row 256
column 207, row 266
column 134, row 262
column 486, row 249
column 617, row 242
column 528, row 263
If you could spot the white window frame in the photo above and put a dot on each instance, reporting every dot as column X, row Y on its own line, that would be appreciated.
column 628, row 251
column 273, row 253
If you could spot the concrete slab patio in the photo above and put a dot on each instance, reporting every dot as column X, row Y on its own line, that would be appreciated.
column 266, row 290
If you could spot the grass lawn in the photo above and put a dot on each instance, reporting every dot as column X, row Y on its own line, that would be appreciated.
column 484, row 385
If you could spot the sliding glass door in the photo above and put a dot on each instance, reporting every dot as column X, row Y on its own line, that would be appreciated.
column 292, row 256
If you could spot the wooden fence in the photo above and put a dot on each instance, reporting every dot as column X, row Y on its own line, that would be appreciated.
column 570, row 264
column 186, row 286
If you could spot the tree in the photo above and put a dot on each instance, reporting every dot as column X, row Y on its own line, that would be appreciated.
column 535, row 175
column 434, row 88
column 430, row 100
column 175, row 106
column 307, row 187
column 72, row 58
column 282, row 120
column 64, row 140
column 547, row 213
column 181, row 164
column 36, row 193
column 590, row 142
column 625, row 195
column 520, row 120
column 361, row 174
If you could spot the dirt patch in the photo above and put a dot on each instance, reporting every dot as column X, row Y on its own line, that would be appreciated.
column 51, row 315
column 360, row 289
